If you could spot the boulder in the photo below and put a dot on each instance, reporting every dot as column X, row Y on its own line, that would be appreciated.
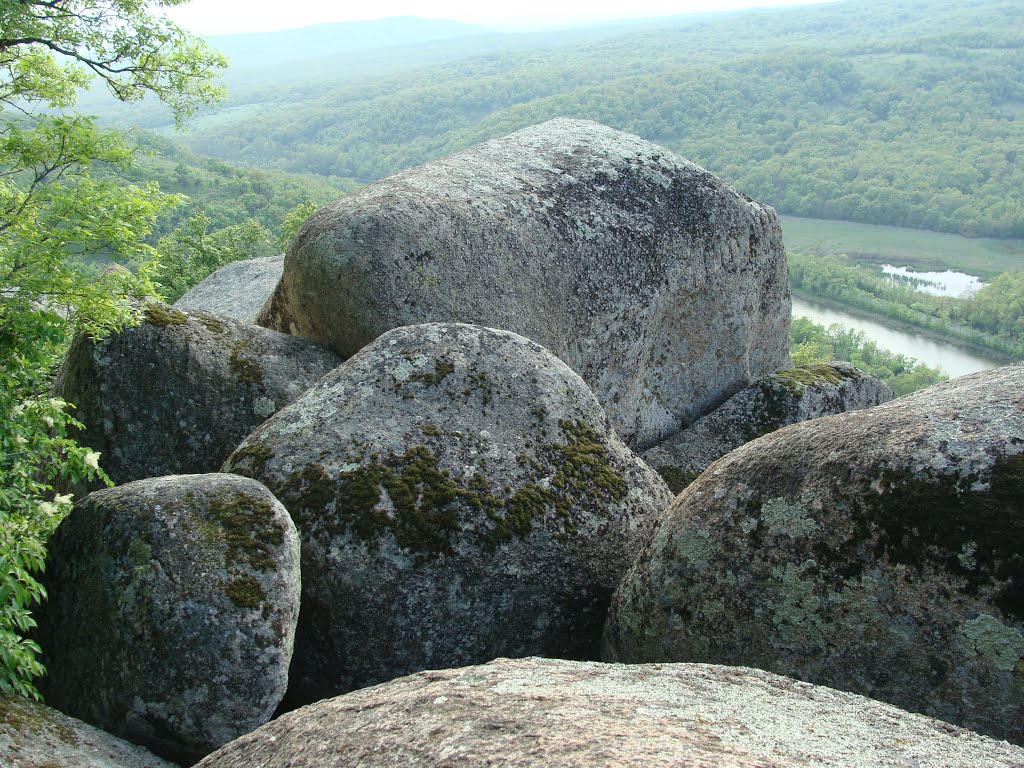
column 179, row 392
column 663, row 287
column 237, row 290
column 561, row 714
column 171, row 612
column 460, row 495
column 773, row 401
column 35, row 736
column 879, row 551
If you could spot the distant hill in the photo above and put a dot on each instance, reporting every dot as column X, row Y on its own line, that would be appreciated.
column 277, row 50
column 901, row 112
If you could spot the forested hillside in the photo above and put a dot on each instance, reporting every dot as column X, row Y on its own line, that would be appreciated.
column 908, row 113
column 226, row 193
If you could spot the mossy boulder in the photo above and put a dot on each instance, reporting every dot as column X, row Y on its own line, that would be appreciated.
column 35, row 736
column 784, row 397
column 663, row 287
column 172, row 610
column 880, row 551
column 529, row 713
column 179, row 392
column 460, row 495
column 237, row 290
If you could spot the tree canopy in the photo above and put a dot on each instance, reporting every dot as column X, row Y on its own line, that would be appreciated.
column 62, row 226
column 901, row 112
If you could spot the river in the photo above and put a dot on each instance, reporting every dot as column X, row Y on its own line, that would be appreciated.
column 956, row 361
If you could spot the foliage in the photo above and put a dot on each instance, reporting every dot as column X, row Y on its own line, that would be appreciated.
column 990, row 319
column 998, row 308
column 812, row 343
column 36, row 454
column 59, row 223
column 191, row 252
column 918, row 249
column 293, row 221
column 51, row 48
column 889, row 112
column 228, row 194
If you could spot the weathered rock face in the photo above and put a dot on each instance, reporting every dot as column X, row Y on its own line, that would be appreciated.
column 178, row 393
column 664, row 288
column 784, row 397
column 544, row 712
column 237, row 290
column 171, row 612
column 460, row 495
column 34, row 736
column 880, row 551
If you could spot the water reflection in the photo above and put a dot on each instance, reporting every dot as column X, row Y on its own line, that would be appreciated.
column 948, row 283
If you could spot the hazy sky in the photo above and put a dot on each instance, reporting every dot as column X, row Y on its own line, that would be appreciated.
column 212, row 17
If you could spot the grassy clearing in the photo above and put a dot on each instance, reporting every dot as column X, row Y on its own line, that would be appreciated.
column 918, row 249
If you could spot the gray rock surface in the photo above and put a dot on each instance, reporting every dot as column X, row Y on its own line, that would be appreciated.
column 880, row 551
column 35, row 736
column 784, row 397
column 237, row 290
column 663, row 287
column 172, row 610
column 460, row 495
column 179, row 392
column 543, row 712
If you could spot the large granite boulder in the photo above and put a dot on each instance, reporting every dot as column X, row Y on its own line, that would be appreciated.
column 773, row 401
column 237, row 290
column 36, row 736
column 663, row 287
column 172, row 610
column 563, row 714
column 880, row 551
column 179, row 392
column 460, row 495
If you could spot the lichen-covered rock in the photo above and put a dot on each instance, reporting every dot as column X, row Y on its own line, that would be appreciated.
column 35, row 736
column 172, row 610
column 237, row 290
column 560, row 714
column 460, row 495
column 179, row 392
column 663, row 287
column 880, row 551
column 781, row 398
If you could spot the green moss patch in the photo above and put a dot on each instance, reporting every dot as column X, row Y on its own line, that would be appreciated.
column 424, row 507
column 243, row 528
column 442, row 369
column 248, row 530
column 212, row 324
column 158, row 313
column 677, row 478
column 246, row 371
column 251, row 459
column 810, row 375
column 245, row 591
column 22, row 715
column 780, row 394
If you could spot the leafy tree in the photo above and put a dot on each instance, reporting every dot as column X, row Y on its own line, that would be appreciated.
column 61, row 227
column 35, row 452
column 192, row 251
column 293, row 220
column 813, row 343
